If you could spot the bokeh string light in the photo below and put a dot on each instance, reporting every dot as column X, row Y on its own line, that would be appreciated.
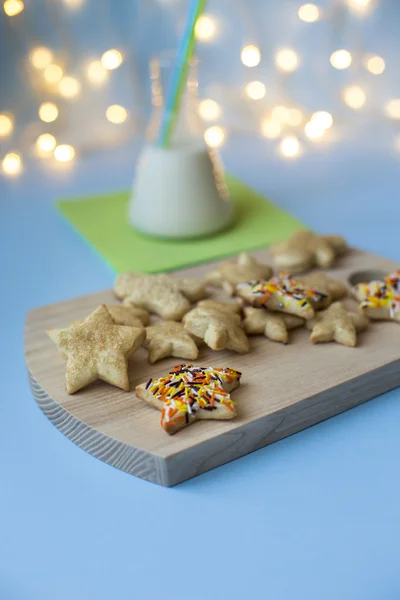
column 6, row 125
column 314, row 130
column 290, row 147
column 214, row 136
column 64, row 153
column 287, row 60
column 12, row 164
column 392, row 109
column 69, row 87
column 40, row 57
column 206, row 28
column 354, row 96
column 375, row 64
column 53, row 73
column 360, row 7
column 255, row 90
column 116, row 114
column 96, row 72
column 48, row 112
column 112, row 59
column 45, row 144
column 250, row 56
column 13, row 8
column 73, row 4
column 284, row 121
column 281, row 114
column 341, row 59
column 324, row 118
column 209, row 110
column 308, row 13
column 271, row 129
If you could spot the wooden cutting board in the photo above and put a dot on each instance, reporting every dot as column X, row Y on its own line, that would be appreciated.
column 284, row 388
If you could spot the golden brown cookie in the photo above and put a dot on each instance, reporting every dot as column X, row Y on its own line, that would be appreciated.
column 332, row 288
column 336, row 324
column 161, row 294
column 274, row 326
column 305, row 250
column 97, row 348
column 380, row 300
column 190, row 393
column 169, row 338
column 283, row 294
column 128, row 315
column 217, row 328
column 231, row 272
column 225, row 307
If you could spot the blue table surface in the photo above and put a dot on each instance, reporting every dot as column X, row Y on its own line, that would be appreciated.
column 315, row 516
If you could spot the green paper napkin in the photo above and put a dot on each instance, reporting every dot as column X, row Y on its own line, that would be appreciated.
column 102, row 221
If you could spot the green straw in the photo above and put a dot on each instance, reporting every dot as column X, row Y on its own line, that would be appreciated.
column 179, row 74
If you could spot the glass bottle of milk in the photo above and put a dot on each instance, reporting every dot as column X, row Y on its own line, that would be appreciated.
column 179, row 191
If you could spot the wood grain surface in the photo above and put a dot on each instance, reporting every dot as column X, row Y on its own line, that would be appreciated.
column 284, row 389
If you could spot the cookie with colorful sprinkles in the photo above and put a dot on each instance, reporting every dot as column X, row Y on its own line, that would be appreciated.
column 332, row 288
column 380, row 300
column 189, row 393
column 283, row 294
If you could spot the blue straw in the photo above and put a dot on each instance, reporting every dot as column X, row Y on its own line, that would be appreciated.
column 179, row 73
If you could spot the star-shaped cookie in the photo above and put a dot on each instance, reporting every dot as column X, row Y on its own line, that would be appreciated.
column 283, row 294
column 167, row 296
column 169, row 338
column 380, row 300
column 274, row 326
column 232, row 272
column 97, row 348
column 190, row 393
column 218, row 328
column 225, row 307
column 305, row 250
column 332, row 288
column 128, row 315
column 338, row 325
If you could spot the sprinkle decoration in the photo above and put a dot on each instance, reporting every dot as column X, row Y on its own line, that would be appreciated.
column 187, row 389
column 382, row 294
column 286, row 289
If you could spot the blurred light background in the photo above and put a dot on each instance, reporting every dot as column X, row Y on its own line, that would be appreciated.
column 301, row 77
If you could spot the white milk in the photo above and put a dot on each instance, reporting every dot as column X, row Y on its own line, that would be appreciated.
column 179, row 192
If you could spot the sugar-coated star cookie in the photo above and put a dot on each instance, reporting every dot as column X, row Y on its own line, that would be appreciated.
column 336, row 324
column 128, row 315
column 190, row 393
column 274, row 326
column 218, row 328
column 380, row 300
column 169, row 338
column 164, row 295
column 332, row 288
column 305, row 250
column 243, row 268
column 97, row 348
column 283, row 294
